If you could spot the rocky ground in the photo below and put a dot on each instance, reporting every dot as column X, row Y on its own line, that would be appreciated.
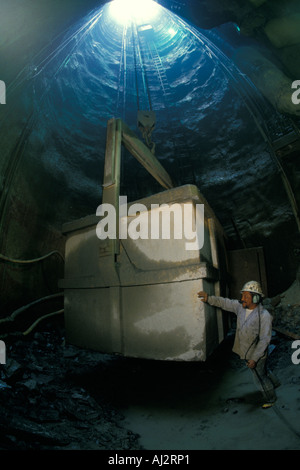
column 285, row 309
column 56, row 396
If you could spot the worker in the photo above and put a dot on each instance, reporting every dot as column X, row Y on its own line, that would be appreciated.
column 253, row 335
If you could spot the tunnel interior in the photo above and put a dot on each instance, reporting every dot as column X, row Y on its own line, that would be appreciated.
column 216, row 126
column 219, row 82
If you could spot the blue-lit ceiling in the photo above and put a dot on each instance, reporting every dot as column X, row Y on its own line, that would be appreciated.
column 213, row 127
column 208, row 115
column 206, row 111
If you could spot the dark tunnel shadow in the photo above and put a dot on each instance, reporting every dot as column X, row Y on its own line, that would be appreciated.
column 123, row 382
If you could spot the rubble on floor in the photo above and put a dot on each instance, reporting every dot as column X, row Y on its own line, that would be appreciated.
column 48, row 402
column 285, row 309
column 56, row 396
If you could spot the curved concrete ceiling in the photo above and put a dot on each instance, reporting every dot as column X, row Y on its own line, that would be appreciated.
column 219, row 78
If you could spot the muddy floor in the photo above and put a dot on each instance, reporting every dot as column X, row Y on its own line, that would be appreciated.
column 56, row 396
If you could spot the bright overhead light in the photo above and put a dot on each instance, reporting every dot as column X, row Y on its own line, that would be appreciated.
column 140, row 11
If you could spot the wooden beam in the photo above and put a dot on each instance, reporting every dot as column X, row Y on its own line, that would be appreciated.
column 141, row 152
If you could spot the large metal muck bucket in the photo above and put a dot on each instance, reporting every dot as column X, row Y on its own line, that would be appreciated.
column 134, row 292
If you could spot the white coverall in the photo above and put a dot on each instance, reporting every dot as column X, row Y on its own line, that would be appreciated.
column 253, row 335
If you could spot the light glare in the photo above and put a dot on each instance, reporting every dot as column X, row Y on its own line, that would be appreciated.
column 139, row 11
column 172, row 32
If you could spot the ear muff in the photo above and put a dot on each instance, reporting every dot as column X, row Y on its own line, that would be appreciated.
column 256, row 298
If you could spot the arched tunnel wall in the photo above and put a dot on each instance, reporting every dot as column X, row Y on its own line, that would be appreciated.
column 53, row 130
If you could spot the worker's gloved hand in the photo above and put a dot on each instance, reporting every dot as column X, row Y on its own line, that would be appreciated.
column 251, row 364
column 203, row 296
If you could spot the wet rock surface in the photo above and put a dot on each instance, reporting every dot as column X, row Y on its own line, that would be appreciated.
column 285, row 309
column 53, row 396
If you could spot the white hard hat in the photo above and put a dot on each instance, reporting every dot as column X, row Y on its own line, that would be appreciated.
column 252, row 286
